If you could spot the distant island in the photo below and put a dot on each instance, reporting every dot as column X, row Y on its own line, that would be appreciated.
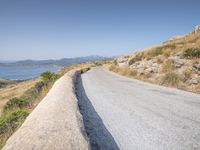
column 49, row 62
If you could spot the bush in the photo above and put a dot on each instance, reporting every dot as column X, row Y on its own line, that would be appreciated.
column 9, row 123
column 39, row 86
column 138, row 57
column 12, row 120
column 49, row 76
column 154, row 52
column 187, row 73
column 170, row 78
column 16, row 102
column 192, row 53
column 168, row 66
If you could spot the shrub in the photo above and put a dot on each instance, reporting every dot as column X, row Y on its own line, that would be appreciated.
column 192, row 53
column 170, row 78
column 154, row 52
column 49, row 76
column 12, row 119
column 138, row 57
column 187, row 74
column 159, row 60
column 16, row 102
column 39, row 86
column 9, row 123
column 168, row 66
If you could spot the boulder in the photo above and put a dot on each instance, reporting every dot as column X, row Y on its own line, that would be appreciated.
column 197, row 66
column 193, row 81
column 122, row 62
column 177, row 61
column 141, row 71
column 151, row 70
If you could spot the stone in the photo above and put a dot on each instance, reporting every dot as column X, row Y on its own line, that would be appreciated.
column 193, row 81
column 197, row 66
column 122, row 62
column 141, row 71
column 177, row 61
column 151, row 70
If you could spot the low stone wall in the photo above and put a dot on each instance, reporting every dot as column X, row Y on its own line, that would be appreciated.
column 56, row 122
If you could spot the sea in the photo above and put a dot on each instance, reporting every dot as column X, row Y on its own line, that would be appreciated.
column 25, row 72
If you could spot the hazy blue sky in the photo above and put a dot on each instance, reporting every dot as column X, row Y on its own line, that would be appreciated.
column 42, row 29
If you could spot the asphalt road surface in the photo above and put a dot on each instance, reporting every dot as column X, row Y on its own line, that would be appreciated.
column 127, row 114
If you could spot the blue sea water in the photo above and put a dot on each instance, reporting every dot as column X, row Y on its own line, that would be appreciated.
column 25, row 72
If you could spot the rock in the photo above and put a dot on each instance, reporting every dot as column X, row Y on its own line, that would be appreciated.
column 193, row 81
column 151, row 70
column 122, row 62
column 178, row 62
column 141, row 71
column 197, row 66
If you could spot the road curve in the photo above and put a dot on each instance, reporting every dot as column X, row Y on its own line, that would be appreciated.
column 122, row 113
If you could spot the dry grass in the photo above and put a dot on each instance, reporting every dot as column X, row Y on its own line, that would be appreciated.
column 15, row 91
column 168, row 66
column 123, row 70
column 171, row 79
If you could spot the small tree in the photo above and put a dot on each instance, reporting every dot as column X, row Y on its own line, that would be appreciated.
column 49, row 76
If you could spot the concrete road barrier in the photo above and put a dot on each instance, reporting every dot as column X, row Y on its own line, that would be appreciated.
column 55, row 124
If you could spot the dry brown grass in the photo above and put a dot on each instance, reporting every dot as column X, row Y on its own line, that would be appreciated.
column 123, row 70
column 15, row 91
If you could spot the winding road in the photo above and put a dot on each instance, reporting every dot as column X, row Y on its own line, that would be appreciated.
column 127, row 114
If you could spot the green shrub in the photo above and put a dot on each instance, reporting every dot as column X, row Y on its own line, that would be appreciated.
column 12, row 120
column 192, row 53
column 38, row 86
column 16, row 102
column 170, row 78
column 9, row 123
column 49, row 76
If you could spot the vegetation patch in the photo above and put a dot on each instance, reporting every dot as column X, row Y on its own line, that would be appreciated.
column 16, row 103
column 16, row 109
column 123, row 70
column 192, row 53
column 138, row 57
column 170, row 78
column 49, row 76
column 9, row 123
column 168, row 66
column 154, row 52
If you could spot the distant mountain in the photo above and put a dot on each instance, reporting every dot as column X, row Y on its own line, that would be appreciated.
column 60, row 62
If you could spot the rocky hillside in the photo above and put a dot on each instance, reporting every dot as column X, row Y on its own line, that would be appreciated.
column 174, row 63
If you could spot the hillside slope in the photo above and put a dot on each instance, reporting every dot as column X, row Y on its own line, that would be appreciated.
column 174, row 63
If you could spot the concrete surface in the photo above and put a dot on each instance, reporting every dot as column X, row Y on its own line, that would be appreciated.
column 127, row 114
column 55, row 124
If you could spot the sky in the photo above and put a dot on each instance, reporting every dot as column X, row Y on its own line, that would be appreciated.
column 53, row 29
